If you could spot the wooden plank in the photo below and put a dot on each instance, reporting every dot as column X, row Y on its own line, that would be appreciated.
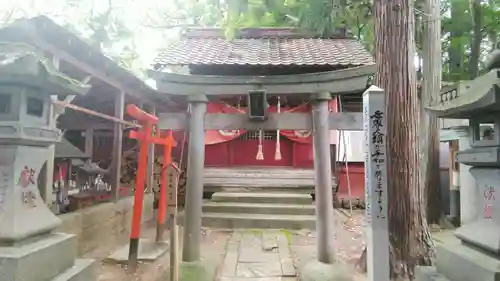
column 350, row 121
column 119, row 109
column 89, row 142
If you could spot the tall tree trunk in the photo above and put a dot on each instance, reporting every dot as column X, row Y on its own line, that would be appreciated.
column 456, row 50
column 476, row 39
column 429, row 126
column 396, row 74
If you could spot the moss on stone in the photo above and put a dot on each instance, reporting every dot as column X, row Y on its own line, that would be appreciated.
column 196, row 271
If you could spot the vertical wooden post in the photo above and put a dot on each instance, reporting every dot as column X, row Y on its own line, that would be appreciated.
column 323, row 177
column 89, row 142
column 173, row 178
column 162, row 200
column 119, row 108
column 454, row 184
column 151, row 159
column 377, row 233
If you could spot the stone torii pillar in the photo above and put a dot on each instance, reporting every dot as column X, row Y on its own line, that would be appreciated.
column 191, row 267
column 323, row 267
column 323, row 177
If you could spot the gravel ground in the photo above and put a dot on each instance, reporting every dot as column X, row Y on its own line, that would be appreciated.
column 348, row 243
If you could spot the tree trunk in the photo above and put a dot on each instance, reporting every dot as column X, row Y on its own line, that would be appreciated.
column 460, row 28
column 429, row 126
column 476, row 39
column 396, row 74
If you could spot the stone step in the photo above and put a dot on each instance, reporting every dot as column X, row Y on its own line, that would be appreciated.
column 428, row 273
column 260, row 189
column 51, row 255
column 255, row 221
column 267, row 182
column 262, row 197
column 258, row 208
column 83, row 270
column 259, row 172
column 459, row 262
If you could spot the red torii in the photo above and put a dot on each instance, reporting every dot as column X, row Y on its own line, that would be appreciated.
column 145, row 137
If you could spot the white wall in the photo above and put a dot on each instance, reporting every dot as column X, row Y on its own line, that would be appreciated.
column 355, row 149
column 354, row 142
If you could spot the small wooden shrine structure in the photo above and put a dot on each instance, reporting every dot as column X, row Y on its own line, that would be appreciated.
column 254, row 82
column 257, row 56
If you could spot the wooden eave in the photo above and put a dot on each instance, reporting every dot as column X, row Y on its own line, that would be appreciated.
column 338, row 82
column 46, row 35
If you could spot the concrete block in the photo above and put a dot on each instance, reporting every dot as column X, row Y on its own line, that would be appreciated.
column 148, row 251
column 198, row 270
column 259, row 208
column 41, row 259
column 461, row 263
column 317, row 271
column 255, row 221
column 428, row 273
column 264, row 197
column 82, row 270
column 97, row 214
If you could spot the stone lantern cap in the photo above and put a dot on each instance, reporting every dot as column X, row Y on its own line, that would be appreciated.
column 468, row 99
column 27, row 80
column 25, row 65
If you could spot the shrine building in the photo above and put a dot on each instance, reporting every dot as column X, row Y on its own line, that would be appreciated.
column 281, row 158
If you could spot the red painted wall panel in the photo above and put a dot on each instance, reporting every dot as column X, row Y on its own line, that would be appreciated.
column 303, row 155
column 243, row 153
column 217, row 155
column 356, row 180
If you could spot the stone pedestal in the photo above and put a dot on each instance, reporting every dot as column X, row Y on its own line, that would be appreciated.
column 29, row 251
column 468, row 186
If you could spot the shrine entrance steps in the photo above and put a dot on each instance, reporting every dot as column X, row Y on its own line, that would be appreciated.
column 254, row 210
column 262, row 179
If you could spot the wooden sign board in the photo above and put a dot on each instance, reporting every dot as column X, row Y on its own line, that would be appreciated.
column 172, row 183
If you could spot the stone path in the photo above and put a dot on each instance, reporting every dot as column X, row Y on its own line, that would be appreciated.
column 254, row 255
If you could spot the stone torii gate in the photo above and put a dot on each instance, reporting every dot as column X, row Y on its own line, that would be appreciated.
column 319, row 87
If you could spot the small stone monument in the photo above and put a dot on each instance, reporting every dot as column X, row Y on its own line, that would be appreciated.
column 29, row 250
column 475, row 254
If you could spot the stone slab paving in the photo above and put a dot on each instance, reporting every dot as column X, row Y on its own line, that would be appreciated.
column 255, row 255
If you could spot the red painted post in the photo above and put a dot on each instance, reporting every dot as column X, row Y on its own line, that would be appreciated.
column 168, row 144
column 144, row 137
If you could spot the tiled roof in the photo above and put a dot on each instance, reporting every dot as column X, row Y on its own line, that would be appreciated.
column 267, row 47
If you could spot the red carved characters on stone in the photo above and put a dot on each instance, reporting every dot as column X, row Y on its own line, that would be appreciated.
column 489, row 198
column 26, row 179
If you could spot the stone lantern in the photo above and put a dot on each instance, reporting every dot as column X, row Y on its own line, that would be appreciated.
column 475, row 254
column 29, row 251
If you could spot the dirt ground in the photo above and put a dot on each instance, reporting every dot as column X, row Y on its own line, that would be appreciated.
column 213, row 244
column 348, row 246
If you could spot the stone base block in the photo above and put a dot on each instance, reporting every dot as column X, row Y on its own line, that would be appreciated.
column 43, row 258
column 148, row 251
column 82, row 270
column 428, row 273
column 318, row 271
column 459, row 262
column 196, row 271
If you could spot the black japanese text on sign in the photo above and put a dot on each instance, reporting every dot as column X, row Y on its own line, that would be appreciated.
column 378, row 156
